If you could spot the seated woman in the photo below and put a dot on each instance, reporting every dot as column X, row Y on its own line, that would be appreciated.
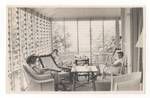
column 58, row 61
column 115, row 67
column 65, row 70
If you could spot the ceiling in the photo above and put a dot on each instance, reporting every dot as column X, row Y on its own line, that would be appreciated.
column 79, row 13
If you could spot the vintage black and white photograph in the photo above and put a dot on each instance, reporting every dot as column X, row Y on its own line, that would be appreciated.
column 75, row 49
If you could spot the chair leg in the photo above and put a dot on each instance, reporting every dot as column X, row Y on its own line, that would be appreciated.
column 64, row 87
column 56, row 87
column 41, row 87
column 88, row 77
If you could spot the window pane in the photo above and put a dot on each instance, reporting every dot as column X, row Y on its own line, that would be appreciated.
column 121, row 36
column 58, row 35
column 120, row 27
column 84, row 37
column 97, row 40
column 97, row 36
column 109, row 35
column 71, row 36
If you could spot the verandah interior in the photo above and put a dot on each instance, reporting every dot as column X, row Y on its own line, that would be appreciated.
column 77, row 33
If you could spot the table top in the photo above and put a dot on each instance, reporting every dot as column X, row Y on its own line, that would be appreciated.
column 84, row 69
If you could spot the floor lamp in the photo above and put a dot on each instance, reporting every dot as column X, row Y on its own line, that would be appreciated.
column 139, row 43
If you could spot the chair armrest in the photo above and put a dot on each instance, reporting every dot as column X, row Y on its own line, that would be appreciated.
column 44, row 81
column 65, row 68
column 41, row 77
column 49, row 69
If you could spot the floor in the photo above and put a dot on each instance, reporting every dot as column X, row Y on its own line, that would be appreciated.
column 84, row 85
column 81, row 85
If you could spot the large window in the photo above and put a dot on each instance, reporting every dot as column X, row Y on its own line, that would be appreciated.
column 71, row 36
column 97, row 35
column 85, row 37
column 109, row 35
column 58, row 36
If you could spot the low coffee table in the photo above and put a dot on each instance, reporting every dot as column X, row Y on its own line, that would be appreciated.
column 83, row 69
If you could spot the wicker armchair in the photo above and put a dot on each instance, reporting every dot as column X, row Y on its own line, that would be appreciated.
column 127, row 82
column 38, row 82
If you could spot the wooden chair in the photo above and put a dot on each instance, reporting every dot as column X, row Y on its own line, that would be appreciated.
column 82, row 62
column 64, row 74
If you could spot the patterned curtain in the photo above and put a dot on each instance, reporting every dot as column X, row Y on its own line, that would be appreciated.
column 28, row 33
column 136, row 29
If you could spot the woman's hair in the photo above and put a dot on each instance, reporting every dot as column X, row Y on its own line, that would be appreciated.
column 120, row 37
column 121, row 53
column 31, row 59
column 55, row 51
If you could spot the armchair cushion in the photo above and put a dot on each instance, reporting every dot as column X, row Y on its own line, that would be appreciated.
column 128, row 85
column 35, row 76
column 126, row 82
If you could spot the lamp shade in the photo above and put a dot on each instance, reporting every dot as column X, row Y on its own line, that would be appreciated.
column 139, row 43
